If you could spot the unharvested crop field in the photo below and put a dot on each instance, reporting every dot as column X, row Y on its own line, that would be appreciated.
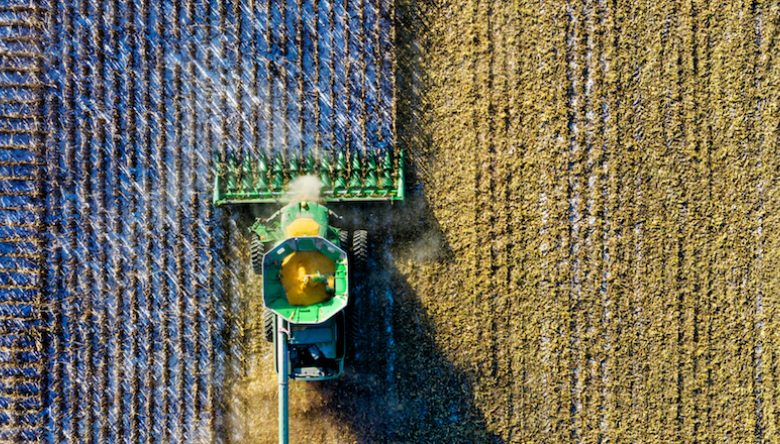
column 588, row 251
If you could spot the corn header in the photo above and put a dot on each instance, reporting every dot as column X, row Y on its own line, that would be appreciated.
column 344, row 177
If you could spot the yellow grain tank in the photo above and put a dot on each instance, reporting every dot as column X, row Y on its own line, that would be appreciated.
column 300, row 264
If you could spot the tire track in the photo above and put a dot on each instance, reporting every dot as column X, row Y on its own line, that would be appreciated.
column 688, row 336
column 484, row 264
column 502, row 299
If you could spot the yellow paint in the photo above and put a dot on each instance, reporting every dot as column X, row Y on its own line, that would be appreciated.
column 296, row 267
column 302, row 227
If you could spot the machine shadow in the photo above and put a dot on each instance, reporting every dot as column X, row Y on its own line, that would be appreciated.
column 401, row 387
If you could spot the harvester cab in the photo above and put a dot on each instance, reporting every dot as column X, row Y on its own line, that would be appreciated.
column 309, row 267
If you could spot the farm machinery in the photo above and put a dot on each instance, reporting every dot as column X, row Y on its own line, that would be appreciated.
column 309, row 265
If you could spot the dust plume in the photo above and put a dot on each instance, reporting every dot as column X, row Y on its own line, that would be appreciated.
column 304, row 189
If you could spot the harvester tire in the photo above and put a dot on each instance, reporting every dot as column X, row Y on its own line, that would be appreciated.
column 257, row 249
column 360, row 251
column 268, row 324
column 344, row 240
column 359, row 265
column 354, row 331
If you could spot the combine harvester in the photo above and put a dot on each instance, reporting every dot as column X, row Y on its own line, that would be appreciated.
column 311, row 265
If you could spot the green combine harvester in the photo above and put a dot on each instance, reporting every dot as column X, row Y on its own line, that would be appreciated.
column 310, row 266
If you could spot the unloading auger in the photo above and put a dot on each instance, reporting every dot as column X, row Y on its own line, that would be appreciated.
column 310, row 266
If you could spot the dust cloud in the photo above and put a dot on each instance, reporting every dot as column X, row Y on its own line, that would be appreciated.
column 304, row 189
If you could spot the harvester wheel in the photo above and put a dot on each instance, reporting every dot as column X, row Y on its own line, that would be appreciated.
column 268, row 324
column 360, row 251
column 354, row 331
column 257, row 250
column 359, row 265
column 344, row 239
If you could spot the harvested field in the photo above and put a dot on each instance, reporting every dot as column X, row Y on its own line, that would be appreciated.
column 585, row 255
column 602, row 175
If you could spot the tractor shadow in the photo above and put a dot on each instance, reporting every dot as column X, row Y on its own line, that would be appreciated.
column 401, row 388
